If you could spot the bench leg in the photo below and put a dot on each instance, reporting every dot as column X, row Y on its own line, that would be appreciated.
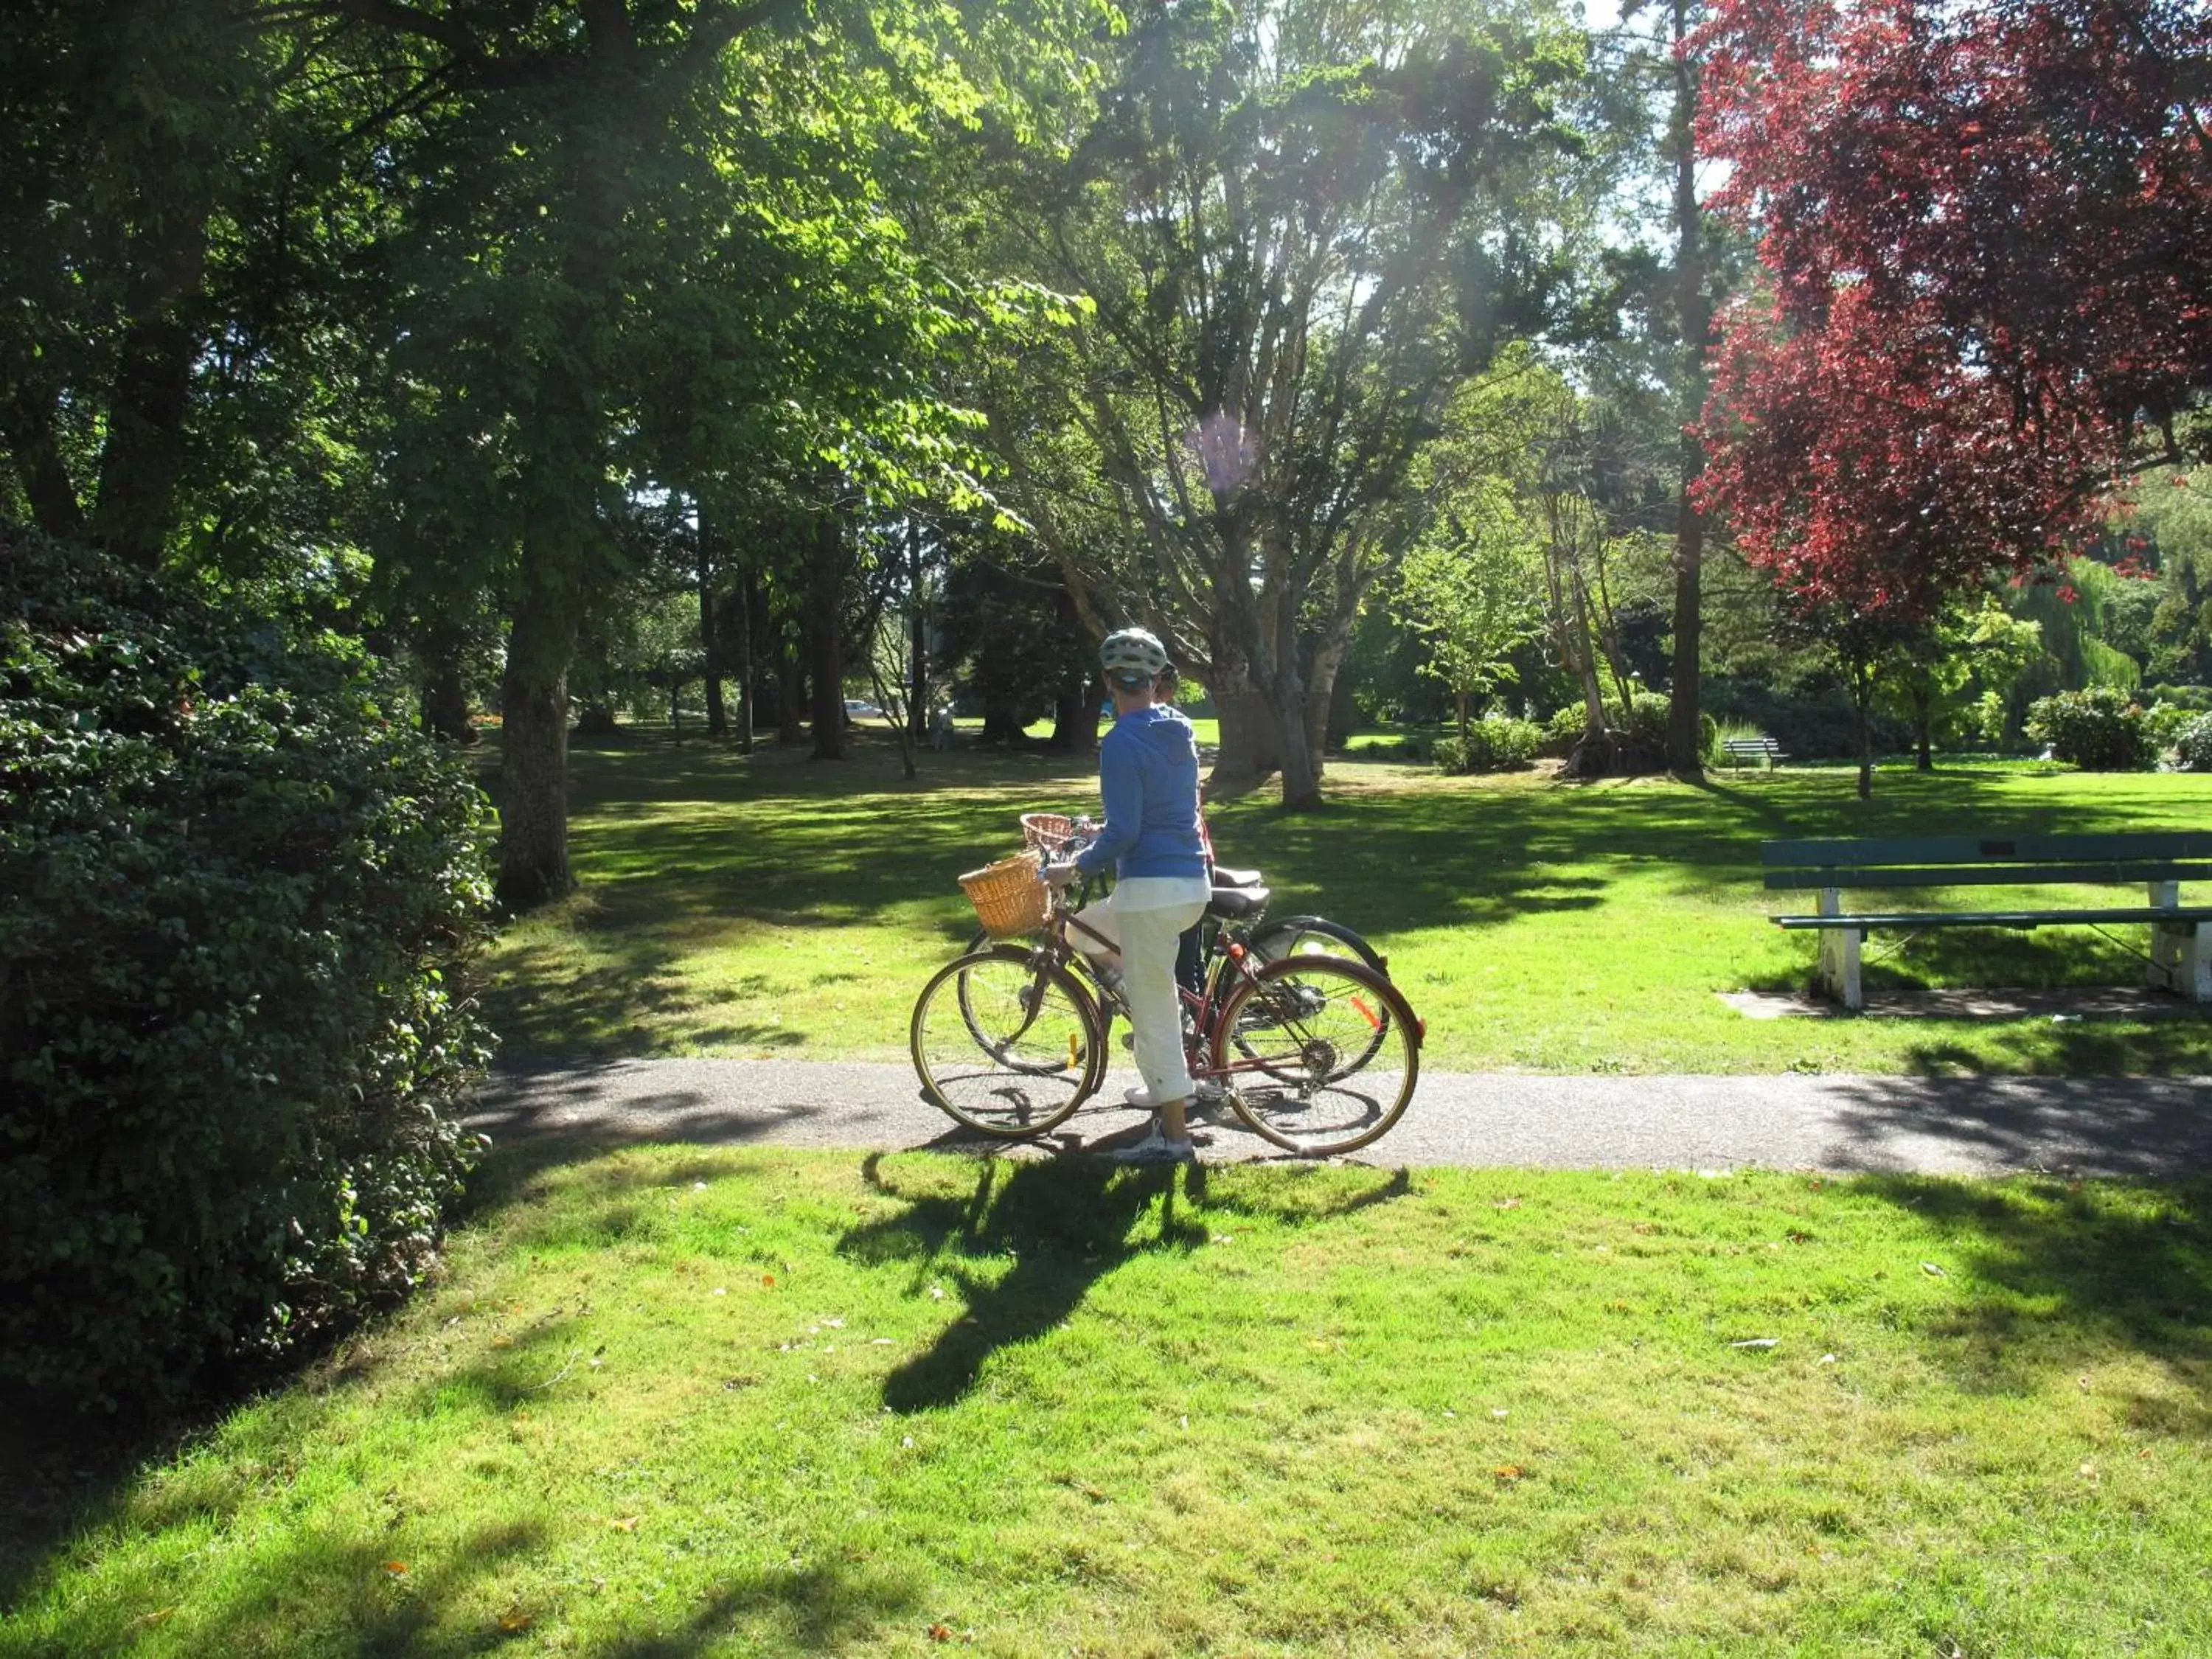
column 1839, row 966
column 1839, row 953
column 2181, row 959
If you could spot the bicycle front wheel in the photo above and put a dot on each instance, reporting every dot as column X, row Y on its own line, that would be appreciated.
column 1005, row 1043
column 1318, row 1055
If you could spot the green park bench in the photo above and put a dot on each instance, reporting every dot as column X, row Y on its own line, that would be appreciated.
column 1763, row 750
column 2178, row 960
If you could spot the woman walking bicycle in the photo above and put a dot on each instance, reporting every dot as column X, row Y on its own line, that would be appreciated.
column 1148, row 779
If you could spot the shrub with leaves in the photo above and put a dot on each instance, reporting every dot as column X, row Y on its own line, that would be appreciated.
column 240, row 896
column 2098, row 729
column 2192, row 745
column 1496, row 743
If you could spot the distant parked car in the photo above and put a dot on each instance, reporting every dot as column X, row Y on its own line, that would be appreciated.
column 859, row 708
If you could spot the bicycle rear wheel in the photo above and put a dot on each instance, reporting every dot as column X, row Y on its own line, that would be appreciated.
column 1315, row 936
column 1312, row 936
column 1007, row 1044
column 1318, row 1055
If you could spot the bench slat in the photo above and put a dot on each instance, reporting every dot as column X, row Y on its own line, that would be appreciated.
column 1970, row 850
column 2021, row 919
column 2020, row 875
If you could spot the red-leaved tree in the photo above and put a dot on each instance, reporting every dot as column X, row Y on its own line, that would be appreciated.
column 1986, row 230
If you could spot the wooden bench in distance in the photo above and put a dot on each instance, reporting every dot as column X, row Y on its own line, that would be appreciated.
column 1739, row 749
column 2160, row 861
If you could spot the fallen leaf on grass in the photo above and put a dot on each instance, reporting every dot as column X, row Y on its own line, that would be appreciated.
column 1511, row 1471
column 625, row 1523
column 1507, row 1204
column 1932, row 1270
column 159, row 1616
column 768, row 1280
column 397, row 1569
column 1092, row 1492
column 940, row 1632
column 513, row 1620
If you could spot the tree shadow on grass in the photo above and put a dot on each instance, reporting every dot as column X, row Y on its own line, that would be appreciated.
column 809, row 1609
column 1069, row 1223
column 2055, row 1271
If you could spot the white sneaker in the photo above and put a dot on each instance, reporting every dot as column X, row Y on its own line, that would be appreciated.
column 1156, row 1148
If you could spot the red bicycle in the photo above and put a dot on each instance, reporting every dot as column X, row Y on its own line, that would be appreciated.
column 1317, row 1053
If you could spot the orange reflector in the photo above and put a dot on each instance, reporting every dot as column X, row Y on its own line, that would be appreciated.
column 1073, row 1041
column 1236, row 953
column 1367, row 1013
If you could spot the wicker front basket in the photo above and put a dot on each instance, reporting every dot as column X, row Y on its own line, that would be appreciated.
column 1009, row 898
column 1048, row 832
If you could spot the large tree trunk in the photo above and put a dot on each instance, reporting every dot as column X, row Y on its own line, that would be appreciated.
column 747, row 610
column 825, row 636
column 790, row 690
column 445, row 692
column 918, row 711
column 1301, row 776
column 534, row 816
column 1251, row 742
column 1685, row 729
column 41, row 469
column 1861, row 720
column 710, row 625
column 144, row 455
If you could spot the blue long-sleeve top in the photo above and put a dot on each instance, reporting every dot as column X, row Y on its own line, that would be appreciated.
column 1148, row 776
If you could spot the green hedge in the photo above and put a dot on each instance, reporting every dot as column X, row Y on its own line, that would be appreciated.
column 1495, row 743
column 2099, row 730
column 238, row 898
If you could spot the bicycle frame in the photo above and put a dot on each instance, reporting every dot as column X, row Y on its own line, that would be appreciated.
column 1206, row 1005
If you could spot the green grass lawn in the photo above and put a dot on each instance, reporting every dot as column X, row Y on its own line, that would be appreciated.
column 679, row 1403
column 778, row 905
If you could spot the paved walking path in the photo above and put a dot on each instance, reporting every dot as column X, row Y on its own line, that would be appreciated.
column 1973, row 1126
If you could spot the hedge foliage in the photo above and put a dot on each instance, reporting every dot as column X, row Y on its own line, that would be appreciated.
column 238, row 898
column 1496, row 743
column 2098, row 729
column 2192, row 745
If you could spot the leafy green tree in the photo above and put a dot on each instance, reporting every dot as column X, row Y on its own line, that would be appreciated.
column 1295, row 224
column 1942, row 679
column 1467, row 588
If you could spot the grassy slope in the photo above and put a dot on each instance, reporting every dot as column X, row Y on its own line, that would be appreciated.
column 672, row 1402
column 776, row 906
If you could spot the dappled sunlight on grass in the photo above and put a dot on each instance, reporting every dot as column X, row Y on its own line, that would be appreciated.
column 688, row 1402
column 778, row 905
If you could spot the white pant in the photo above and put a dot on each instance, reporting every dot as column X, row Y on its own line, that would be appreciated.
column 1147, row 938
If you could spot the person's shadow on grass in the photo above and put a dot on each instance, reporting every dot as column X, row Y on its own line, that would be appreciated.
column 1067, row 1222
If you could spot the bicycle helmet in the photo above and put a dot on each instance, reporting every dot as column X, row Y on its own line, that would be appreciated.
column 1132, row 657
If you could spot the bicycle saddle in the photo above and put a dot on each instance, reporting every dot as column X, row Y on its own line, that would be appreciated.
column 1224, row 877
column 1237, row 900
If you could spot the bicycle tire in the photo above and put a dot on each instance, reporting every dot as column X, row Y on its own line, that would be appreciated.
column 1274, row 940
column 1007, row 1044
column 1289, row 1086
